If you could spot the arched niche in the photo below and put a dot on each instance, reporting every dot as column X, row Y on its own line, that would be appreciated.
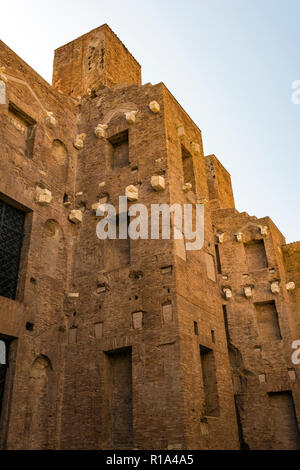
column 39, row 405
column 59, row 155
column 53, row 252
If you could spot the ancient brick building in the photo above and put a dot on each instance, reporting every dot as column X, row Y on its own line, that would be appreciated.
column 124, row 343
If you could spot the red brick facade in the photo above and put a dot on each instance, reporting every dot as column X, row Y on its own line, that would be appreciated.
column 134, row 344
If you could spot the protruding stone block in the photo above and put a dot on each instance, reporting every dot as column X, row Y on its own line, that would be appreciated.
column 79, row 141
column 79, row 194
column 3, row 77
column 264, row 230
column 73, row 295
column 132, row 193
column 131, row 117
column 50, row 120
column 100, row 131
column 99, row 208
column 187, row 187
column 137, row 320
column 290, row 286
column 67, row 204
column 76, row 217
column 248, row 292
column 158, row 183
column 202, row 200
column 154, row 107
column 43, row 196
column 195, row 147
column 262, row 378
column 220, row 237
column 227, row 293
column 275, row 289
column 101, row 185
column 239, row 237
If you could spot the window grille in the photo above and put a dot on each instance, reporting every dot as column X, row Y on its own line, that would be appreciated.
column 11, row 240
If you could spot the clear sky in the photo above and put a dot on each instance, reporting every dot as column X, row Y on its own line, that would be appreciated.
column 230, row 63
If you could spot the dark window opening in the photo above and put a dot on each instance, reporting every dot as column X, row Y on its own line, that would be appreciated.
column 25, row 126
column 256, row 255
column 120, row 397
column 225, row 317
column 11, row 241
column 238, row 405
column 213, row 336
column 188, row 167
column 285, row 425
column 211, row 397
column 29, row 326
column 219, row 266
column 196, row 329
column 267, row 321
column 117, row 252
column 119, row 150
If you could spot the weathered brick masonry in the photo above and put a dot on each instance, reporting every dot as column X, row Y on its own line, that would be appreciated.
column 122, row 343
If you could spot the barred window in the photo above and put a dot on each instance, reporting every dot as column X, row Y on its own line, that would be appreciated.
column 11, row 240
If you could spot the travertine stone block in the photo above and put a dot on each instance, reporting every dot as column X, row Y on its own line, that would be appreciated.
column 99, row 209
column 43, row 196
column 75, row 217
column 137, row 320
column 100, row 131
column 275, row 287
column 195, row 147
column 187, row 187
column 227, row 293
column 158, row 183
column 202, row 200
column 79, row 194
column 132, row 193
column 220, row 237
column 262, row 378
column 290, row 286
column 67, row 204
column 239, row 237
column 79, row 141
column 248, row 292
column 50, row 120
column 155, row 107
column 263, row 230
column 131, row 117
column 101, row 185
column 73, row 295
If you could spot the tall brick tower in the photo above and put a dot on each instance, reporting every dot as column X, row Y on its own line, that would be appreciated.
column 132, row 344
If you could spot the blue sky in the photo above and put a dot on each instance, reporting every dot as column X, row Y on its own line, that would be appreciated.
column 230, row 63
